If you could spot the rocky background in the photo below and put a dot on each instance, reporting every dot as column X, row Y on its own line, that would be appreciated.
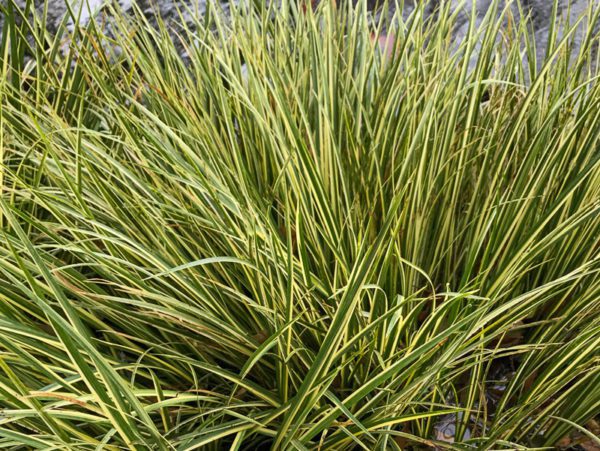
column 539, row 10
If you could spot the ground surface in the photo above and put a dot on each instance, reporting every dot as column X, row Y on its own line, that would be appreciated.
column 540, row 11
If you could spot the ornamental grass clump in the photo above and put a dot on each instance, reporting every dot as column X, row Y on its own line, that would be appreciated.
column 271, row 233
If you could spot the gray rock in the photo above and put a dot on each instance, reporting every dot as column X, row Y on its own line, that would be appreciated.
column 539, row 11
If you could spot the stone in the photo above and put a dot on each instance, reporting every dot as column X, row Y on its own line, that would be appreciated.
column 540, row 12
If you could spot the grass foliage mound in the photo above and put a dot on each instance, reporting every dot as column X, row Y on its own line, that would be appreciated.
column 290, row 238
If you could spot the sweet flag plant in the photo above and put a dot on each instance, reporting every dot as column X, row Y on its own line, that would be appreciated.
column 285, row 236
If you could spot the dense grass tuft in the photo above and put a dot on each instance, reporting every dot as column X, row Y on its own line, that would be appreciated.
column 324, row 248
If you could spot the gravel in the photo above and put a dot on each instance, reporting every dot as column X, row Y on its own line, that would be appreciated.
column 539, row 10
